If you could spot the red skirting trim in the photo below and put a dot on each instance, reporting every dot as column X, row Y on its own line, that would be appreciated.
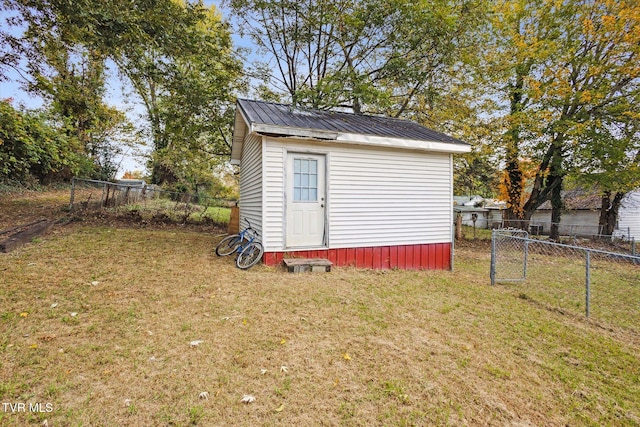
column 431, row 256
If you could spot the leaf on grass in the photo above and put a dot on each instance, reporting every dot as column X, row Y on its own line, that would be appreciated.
column 346, row 356
column 195, row 343
column 283, row 341
column 54, row 305
column 247, row 398
column 24, row 314
column 95, row 283
column 33, row 346
column 74, row 314
column 280, row 408
column 263, row 371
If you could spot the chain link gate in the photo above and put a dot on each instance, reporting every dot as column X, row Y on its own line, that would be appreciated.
column 509, row 252
column 561, row 272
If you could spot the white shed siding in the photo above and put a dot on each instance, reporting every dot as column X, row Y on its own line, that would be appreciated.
column 251, row 182
column 381, row 197
column 274, row 214
column 375, row 196
column 629, row 215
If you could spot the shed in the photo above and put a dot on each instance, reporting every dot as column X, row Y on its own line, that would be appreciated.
column 369, row 191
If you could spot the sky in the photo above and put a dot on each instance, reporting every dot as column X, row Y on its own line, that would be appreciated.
column 116, row 96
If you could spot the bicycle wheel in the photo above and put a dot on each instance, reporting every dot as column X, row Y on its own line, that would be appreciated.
column 228, row 245
column 250, row 255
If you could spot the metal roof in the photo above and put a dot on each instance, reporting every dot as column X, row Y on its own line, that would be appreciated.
column 286, row 116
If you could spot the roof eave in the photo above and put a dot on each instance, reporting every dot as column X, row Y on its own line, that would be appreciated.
column 240, row 131
column 360, row 139
column 410, row 144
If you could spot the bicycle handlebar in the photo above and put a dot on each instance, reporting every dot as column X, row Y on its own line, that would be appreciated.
column 250, row 227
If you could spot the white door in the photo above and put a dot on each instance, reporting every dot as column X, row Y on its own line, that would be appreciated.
column 305, row 200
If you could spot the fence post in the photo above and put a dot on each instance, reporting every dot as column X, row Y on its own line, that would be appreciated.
column 73, row 190
column 588, row 282
column 526, row 257
column 633, row 246
column 453, row 248
column 492, row 272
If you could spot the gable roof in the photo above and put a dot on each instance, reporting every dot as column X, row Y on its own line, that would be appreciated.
column 281, row 120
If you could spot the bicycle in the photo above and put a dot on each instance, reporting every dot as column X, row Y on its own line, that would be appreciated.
column 249, row 251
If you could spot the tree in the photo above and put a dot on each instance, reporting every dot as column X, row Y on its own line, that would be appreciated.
column 610, row 163
column 68, row 72
column 566, row 64
column 33, row 151
column 186, row 75
column 366, row 55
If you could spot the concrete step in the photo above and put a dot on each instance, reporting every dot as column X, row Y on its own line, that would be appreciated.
column 300, row 265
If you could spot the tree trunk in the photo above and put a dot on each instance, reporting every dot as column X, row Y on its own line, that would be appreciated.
column 459, row 227
column 556, row 212
column 160, row 174
column 514, row 178
column 609, row 212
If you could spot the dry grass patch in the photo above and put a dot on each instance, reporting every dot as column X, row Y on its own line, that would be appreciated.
column 28, row 206
column 99, row 322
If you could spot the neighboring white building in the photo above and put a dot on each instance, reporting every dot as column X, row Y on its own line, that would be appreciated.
column 488, row 212
column 358, row 190
column 629, row 216
column 581, row 215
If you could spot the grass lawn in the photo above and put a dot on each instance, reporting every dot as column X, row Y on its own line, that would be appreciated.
column 98, row 322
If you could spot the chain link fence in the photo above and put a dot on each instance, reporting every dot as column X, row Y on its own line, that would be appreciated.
column 577, row 234
column 601, row 284
column 136, row 199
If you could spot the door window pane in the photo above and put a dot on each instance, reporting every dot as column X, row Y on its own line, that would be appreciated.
column 305, row 180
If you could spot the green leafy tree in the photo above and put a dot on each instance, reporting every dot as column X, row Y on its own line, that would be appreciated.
column 33, row 151
column 69, row 74
column 187, row 80
column 610, row 163
column 185, row 74
column 563, row 66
